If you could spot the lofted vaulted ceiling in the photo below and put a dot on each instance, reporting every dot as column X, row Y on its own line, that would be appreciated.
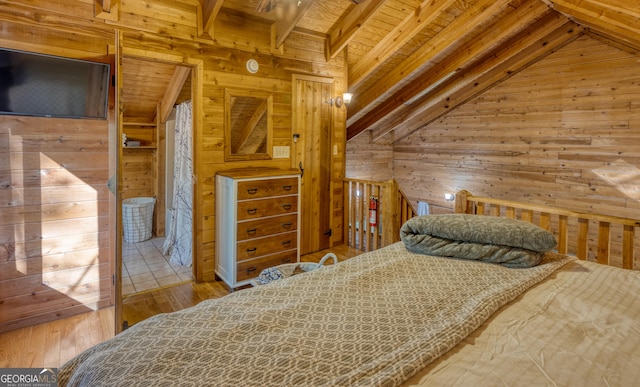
column 412, row 61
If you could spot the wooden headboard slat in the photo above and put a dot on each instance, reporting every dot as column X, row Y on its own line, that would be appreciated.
column 583, row 240
column 628, row 238
column 563, row 237
column 604, row 242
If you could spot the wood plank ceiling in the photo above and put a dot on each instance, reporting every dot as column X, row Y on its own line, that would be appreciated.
column 412, row 61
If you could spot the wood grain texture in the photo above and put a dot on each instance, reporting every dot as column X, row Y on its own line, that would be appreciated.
column 58, row 163
column 562, row 133
column 54, row 248
column 52, row 343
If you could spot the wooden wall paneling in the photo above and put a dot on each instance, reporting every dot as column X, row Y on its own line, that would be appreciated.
column 524, row 49
column 233, row 29
column 145, row 132
column 561, row 132
column 62, row 28
column 168, row 19
column 166, row 31
column 138, row 176
column 54, row 240
column 369, row 161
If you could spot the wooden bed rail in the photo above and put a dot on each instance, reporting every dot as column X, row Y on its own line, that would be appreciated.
column 573, row 238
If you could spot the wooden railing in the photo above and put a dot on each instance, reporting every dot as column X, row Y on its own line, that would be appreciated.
column 407, row 211
column 366, row 230
column 572, row 228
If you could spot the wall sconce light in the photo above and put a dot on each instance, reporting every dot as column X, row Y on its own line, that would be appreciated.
column 346, row 98
column 449, row 197
column 340, row 101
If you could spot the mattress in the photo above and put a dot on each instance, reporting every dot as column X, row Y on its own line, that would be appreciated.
column 578, row 327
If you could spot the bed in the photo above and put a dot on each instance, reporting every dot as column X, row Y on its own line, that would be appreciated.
column 429, row 310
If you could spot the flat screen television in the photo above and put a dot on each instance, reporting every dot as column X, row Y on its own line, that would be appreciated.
column 50, row 86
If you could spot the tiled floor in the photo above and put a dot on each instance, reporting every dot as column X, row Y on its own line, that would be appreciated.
column 145, row 268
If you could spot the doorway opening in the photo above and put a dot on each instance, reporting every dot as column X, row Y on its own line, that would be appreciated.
column 147, row 168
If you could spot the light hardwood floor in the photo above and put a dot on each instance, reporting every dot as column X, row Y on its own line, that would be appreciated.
column 51, row 344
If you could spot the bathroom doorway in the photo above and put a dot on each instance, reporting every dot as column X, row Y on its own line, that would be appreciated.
column 147, row 163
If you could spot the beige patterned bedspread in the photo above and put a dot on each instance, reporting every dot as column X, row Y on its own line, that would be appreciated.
column 579, row 327
column 372, row 320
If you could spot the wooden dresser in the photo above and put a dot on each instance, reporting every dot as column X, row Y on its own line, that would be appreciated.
column 257, row 222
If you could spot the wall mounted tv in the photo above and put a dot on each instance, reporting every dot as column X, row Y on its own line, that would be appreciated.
column 49, row 86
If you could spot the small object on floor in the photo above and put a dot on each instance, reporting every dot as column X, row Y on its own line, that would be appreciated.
column 287, row 270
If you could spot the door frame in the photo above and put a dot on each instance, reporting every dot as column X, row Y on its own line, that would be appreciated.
column 197, row 77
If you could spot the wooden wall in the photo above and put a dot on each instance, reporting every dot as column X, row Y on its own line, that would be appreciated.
column 55, row 253
column 156, row 30
column 369, row 161
column 563, row 132
column 225, row 67
column 56, row 248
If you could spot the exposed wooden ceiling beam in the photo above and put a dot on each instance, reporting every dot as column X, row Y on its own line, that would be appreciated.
column 425, row 14
column 288, row 14
column 625, row 44
column 617, row 18
column 180, row 75
column 399, row 86
column 622, row 15
column 209, row 12
column 342, row 32
column 520, row 52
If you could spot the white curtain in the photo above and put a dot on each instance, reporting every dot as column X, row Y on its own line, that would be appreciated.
column 178, row 240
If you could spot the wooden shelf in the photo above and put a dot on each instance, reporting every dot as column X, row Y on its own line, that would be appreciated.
column 140, row 147
column 139, row 124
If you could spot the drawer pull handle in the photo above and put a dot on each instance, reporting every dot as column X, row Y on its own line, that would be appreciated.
column 252, row 211
column 252, row 231
column 286, row 243
column 252, row 191
column 253, row 250
column 286, row 187
column 286, row 225
column 285, row 260
column 251, row 269
column 286, row 206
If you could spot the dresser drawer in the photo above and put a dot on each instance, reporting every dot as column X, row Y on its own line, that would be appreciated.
column 254, row 248
column 257, row 189
column 266, row 226
column 267, row 207
column 252, row 268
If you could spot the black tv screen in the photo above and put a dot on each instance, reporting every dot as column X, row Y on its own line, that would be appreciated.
column 49, row 86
